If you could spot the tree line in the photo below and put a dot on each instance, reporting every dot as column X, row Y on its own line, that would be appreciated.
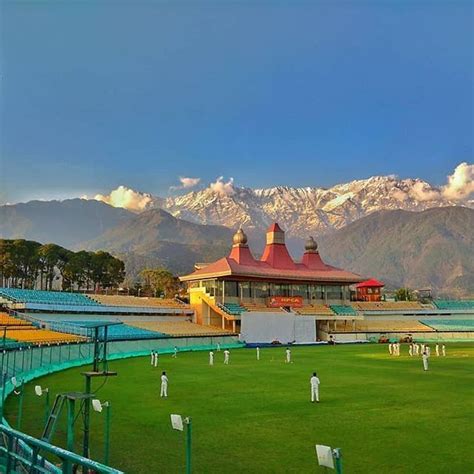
column 31, row 265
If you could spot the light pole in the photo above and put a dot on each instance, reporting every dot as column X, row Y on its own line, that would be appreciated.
column 177, row 423
column 39, row 392
column 98, row 406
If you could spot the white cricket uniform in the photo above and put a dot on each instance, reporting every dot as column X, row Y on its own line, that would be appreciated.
column 437, row 350
column 175, row 352
column 288, row 356
column 390, row 348
column 410, row 350
column 211, row 358
column 226, row 356
column 156, row 359
column 314, row 382
column 152, row 358
column 417, row 349
column 443, row 350
column 258, row 353
column 164, row 386
column 425, row 361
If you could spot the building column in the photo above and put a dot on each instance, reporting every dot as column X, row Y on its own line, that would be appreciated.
column 233, row 325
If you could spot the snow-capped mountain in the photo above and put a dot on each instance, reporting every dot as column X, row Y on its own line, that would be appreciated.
column 303, row 211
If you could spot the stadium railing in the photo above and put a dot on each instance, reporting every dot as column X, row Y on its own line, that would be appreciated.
column 30, row 362
column 17, row 448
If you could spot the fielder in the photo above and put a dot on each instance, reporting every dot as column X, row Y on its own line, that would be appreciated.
column 258, row 353
column 390, row 348
column 152, row 358
column 425, row 361
column 314, row 383
column 288, row 355
column 417, row 349
column 211, row 358
column 175, row 353
column 226, row 356
column 164, row 385
column 156, row 359
column 443, row 350
column 410, row 349
column 437, row 350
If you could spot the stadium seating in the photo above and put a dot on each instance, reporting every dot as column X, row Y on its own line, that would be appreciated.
column 315, row 309
column 450, row 324
column 123, row 300
column 343, row 310
column 386, row 305
column 121, row 332
column 41, row 336
column 46, row 297
column 261, row 308
column 454, row 304
column 181, row 328
column 7, row 320
column 391, row 326
column 234, row 309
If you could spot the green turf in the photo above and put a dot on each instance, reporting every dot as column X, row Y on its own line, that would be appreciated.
column 386, row 414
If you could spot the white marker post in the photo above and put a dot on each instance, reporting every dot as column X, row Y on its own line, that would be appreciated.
column 178, row 423
column 329, row 458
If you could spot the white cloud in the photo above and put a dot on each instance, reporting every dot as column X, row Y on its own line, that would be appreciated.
column 424, row 192
column 126, row 198
column 223, row 188
column 187, row 183
column 460, row 184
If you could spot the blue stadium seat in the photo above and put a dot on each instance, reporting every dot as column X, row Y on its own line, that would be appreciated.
column 47, row 297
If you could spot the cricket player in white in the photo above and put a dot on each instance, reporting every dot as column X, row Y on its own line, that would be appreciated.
column 258, row 353
column 428, row 350
column 211, row 358
column 164, row 385
column 425, row 361
column 443, row 350
column 175, row 353
column 410, row 349
column 156, row 359
column 314, row 382
column 390, row 348
column 437, row 350
column 417, row 349
column 218, row 347
column 226, row 356
column 288, row 356
column 152, row 357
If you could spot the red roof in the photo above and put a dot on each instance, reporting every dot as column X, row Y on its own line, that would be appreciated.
column 275, row 228
column 372, row 283
column 275, row 264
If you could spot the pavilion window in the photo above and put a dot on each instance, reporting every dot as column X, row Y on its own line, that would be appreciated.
column 231, row 288
column 260, row 290
column 245, row 290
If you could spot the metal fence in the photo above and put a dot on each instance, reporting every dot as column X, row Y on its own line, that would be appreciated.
column 26, row 363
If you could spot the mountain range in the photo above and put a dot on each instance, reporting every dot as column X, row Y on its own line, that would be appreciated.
column 304, row 211
column 406, row 232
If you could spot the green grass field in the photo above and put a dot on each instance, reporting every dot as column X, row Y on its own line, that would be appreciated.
column 386, row 414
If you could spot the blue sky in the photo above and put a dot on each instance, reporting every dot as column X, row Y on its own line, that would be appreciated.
column 299, row 93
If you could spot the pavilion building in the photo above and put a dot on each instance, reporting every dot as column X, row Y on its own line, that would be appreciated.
column 220, row 292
